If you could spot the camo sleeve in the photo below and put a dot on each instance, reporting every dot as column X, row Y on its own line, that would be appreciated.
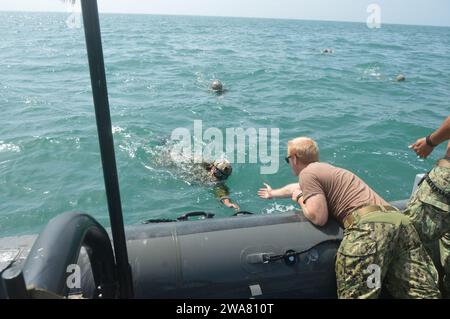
column 221, row 191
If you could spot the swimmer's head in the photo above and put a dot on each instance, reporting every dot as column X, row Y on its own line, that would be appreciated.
column 400, row 78
column 221, row 169
column 217, row 86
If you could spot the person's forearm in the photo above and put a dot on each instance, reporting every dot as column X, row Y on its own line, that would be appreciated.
column 442, row 133
column 311, row 217
column 285, row 191
column 226, row 201
column 447, row 155
column 229, row 203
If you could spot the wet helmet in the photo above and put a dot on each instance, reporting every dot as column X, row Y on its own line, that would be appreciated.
column 216, row 85
column 223, row 169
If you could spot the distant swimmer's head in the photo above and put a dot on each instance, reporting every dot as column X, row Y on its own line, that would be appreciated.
column 400, row 78
column 327, row 50
column 221, row 169
column 216, row 86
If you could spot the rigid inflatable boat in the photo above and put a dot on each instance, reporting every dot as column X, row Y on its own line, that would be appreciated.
column 280, row 255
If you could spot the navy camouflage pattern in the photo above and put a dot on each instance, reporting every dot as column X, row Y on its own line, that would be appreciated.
column 429, row 211
column 389, row 241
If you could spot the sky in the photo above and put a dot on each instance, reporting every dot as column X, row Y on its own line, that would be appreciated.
column 417, row 12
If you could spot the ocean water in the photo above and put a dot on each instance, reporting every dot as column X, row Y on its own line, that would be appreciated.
column 158, row 71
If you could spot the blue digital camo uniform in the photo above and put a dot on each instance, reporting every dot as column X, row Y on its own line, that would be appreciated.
column 429, row 211
column 388, row 241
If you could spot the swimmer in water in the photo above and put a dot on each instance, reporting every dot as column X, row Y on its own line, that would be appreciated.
column 216, row 173
column 217, row 86
column 400, row 78
column 198, row 171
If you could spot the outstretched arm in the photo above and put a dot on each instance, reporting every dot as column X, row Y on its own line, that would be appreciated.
column 284, row 192
column 227, row 202
column 442, row 134
column 423, row 148
column 222, row 193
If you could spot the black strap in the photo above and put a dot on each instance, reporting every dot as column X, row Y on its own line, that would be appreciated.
column 423, row 178
column 429, row 142
column 299, row 196
column 435, row 188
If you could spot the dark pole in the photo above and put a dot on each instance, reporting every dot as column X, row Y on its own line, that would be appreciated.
column 100, row 94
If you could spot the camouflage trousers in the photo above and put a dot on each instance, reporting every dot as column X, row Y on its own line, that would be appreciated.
column 383, row 250
column 429, row 212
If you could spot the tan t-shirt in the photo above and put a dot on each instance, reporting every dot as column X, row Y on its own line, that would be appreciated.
column 343, row 190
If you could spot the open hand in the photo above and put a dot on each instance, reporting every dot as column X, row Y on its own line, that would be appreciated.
column 421, row 148
column 265, row 193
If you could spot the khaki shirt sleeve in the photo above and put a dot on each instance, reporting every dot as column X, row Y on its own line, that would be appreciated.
column 310, row 186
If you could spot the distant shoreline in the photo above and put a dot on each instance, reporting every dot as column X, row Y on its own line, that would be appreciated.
column 232, row 17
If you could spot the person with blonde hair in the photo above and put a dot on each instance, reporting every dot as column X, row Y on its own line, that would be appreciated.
column 375, row 233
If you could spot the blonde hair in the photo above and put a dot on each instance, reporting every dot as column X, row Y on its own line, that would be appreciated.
column 305, row 149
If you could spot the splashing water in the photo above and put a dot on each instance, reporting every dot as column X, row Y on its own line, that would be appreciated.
column 158, row 70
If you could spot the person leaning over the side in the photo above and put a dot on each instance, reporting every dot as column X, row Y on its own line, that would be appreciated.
column 429, row 207
column 375, row 233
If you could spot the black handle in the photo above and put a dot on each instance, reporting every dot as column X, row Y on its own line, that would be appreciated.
column 158, row 220
column 194, row 214
column 241, row 213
